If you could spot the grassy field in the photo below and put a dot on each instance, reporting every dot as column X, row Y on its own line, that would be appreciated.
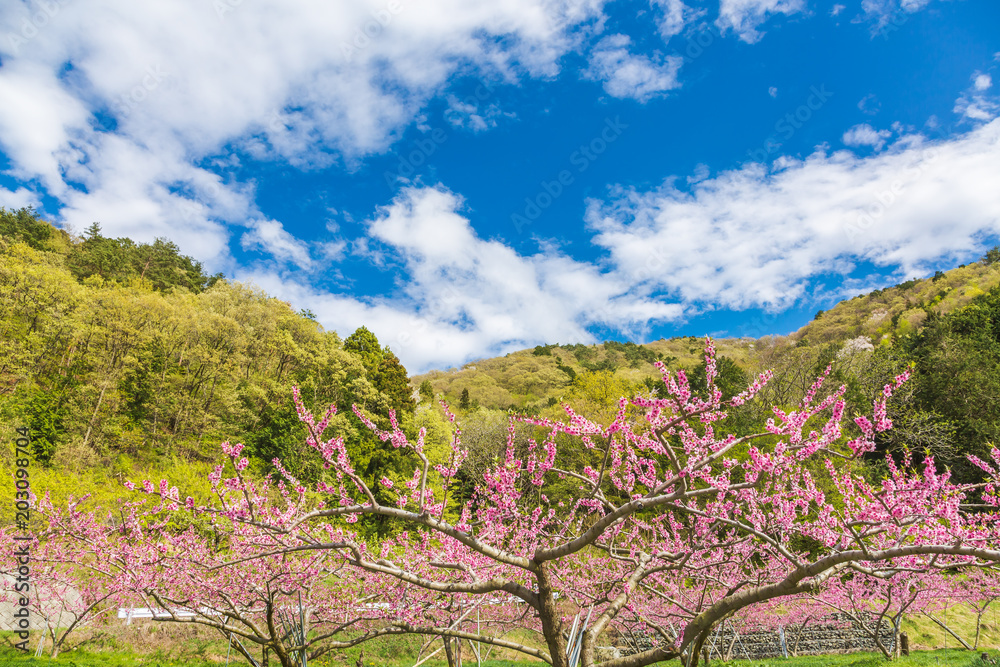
column 939, row 658
column 150, row 644
column 942, row 658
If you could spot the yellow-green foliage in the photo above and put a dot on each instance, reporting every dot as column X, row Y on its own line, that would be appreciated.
column 871, row 314
column 533, row 379
column 525, row 379
column 118, row 377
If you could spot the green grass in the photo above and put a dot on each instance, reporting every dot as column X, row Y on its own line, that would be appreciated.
column 382, row 656
column 83, row 658
column 152, row 644
column 939, row 658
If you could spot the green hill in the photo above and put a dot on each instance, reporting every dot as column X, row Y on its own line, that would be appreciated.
column 944, row 326
column 124, row 358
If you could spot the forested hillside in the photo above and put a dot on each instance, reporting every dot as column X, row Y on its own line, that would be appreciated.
column 120, row 356
column 946, row 327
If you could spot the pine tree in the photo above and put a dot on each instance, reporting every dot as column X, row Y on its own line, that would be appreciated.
column 365, row 346
column 392, row 381
column 426, row 391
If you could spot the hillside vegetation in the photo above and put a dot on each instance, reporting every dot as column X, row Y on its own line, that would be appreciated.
column 125, row 357
column 946, row 327
column 122, row 357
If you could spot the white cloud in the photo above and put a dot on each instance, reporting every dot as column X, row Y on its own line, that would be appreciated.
column 626, row 75
column 271, row 237
column 150, row 190
column 41, row 123
column 869, row 104
column 673, row 16
column 15, row 199
column 888, row 15
column 866, row 135
column 308, row 82
column 772, row 91
column 466, row 297
column 333, row 251
column 470, row 114
column 837, row 9
column 740, row 239
column 976, row 104
column 749, row 237
column 976, row 108
column 701, row 172
column 744, row 16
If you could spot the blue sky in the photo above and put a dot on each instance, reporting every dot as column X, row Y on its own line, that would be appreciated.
column 468, row 179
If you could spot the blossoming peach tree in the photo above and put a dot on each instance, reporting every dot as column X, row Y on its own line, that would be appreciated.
column 671, row 525
column 57, row 596
column 222, row 568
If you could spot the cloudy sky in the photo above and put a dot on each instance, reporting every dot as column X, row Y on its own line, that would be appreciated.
column 468, row 178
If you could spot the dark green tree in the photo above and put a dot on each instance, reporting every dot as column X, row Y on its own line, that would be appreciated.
column 121, row 260
column 426, row 391
column 365, row 346
column 101, row 256
column 392, row 381
column 24, row 225
column 162, row 264
column 46, row 413
column 957, row 358
column 730, row 378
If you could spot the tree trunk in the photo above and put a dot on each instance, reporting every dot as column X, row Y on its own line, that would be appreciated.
column 696, row 647
column 798, row 636
column 93, row 417
column 549, row 617
column 877, row 635
column 453, row 649
column 732, row 644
